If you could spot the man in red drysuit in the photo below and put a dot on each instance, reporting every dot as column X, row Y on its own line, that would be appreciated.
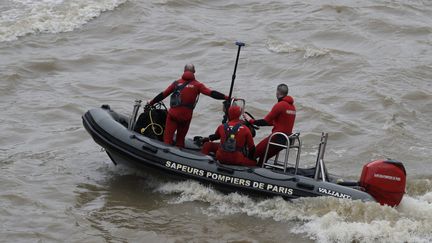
column 185, row 92
column 281, row 117
column 235, row 138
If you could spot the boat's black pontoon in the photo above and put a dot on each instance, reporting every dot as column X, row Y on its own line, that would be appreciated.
column 120, row 136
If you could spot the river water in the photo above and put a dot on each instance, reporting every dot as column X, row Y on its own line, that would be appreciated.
column 360, row 70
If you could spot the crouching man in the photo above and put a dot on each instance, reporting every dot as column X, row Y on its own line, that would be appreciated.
column 236, row 141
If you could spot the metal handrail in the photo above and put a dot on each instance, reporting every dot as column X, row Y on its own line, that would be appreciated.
column 298, row 153
column 134, row 115
column 323, row 176
column 286, row 146
column 319, row 165
column 242, row 101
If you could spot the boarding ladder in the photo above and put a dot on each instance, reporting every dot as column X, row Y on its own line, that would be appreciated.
column 291, row 142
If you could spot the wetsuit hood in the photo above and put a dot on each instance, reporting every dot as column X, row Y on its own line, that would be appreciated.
column 234, row 113
column 188, row 75
column 287, row 99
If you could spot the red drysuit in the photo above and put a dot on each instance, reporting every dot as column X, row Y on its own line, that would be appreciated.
column 243, row 139
column 282, row 117
column 179, row 117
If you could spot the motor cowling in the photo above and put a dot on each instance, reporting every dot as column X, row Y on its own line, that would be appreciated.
column 385, row 181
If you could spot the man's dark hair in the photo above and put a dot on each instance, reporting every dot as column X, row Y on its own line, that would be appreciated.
column 189, row 67
column 282, row 89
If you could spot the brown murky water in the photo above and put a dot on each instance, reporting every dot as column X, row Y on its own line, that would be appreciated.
column 358, row 70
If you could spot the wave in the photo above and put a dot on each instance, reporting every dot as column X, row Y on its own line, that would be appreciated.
column 419, row 187
column 286, row 47
column 49, row 16
column 324, row 219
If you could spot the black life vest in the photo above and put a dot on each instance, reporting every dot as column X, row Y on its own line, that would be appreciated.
column 175, row 99
column 229, row 144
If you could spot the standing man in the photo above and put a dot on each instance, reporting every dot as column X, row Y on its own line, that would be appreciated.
column 185, row 92
column 235, row 141
column 281, row 117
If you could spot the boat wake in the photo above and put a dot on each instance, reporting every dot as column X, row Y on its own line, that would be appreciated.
column 22, row 17
column 324, row 219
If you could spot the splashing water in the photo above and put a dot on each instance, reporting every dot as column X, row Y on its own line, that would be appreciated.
column 325, row 219
column 50, row 16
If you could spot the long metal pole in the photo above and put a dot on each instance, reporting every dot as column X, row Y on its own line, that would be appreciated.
column 239, row 44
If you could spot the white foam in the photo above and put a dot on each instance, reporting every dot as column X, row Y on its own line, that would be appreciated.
column 287, row 47
column 418, row 208
column 427, row 197
column 333, row 227
column 50, row 16
column 323, row 219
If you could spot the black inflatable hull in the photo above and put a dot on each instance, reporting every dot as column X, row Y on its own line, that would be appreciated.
column 108, row 129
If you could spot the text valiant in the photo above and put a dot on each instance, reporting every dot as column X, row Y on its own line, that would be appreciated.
column 333, row 193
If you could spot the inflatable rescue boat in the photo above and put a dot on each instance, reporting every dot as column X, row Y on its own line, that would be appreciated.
column 137, row 142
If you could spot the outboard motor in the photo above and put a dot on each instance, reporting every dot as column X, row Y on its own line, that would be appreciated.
column 385, row 181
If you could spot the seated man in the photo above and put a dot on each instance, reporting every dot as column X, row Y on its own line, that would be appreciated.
column 281, row 117
column 235, row 138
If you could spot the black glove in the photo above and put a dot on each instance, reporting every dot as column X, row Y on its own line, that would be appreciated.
column 226, row 105
column 212, row 137
column 199, row 141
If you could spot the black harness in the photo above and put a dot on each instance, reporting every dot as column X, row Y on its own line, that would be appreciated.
column 229, row 144
column 175, row 99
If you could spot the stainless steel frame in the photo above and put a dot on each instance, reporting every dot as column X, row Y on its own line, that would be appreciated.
column 319, row 165
column 134, row 115
column 287, row 146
